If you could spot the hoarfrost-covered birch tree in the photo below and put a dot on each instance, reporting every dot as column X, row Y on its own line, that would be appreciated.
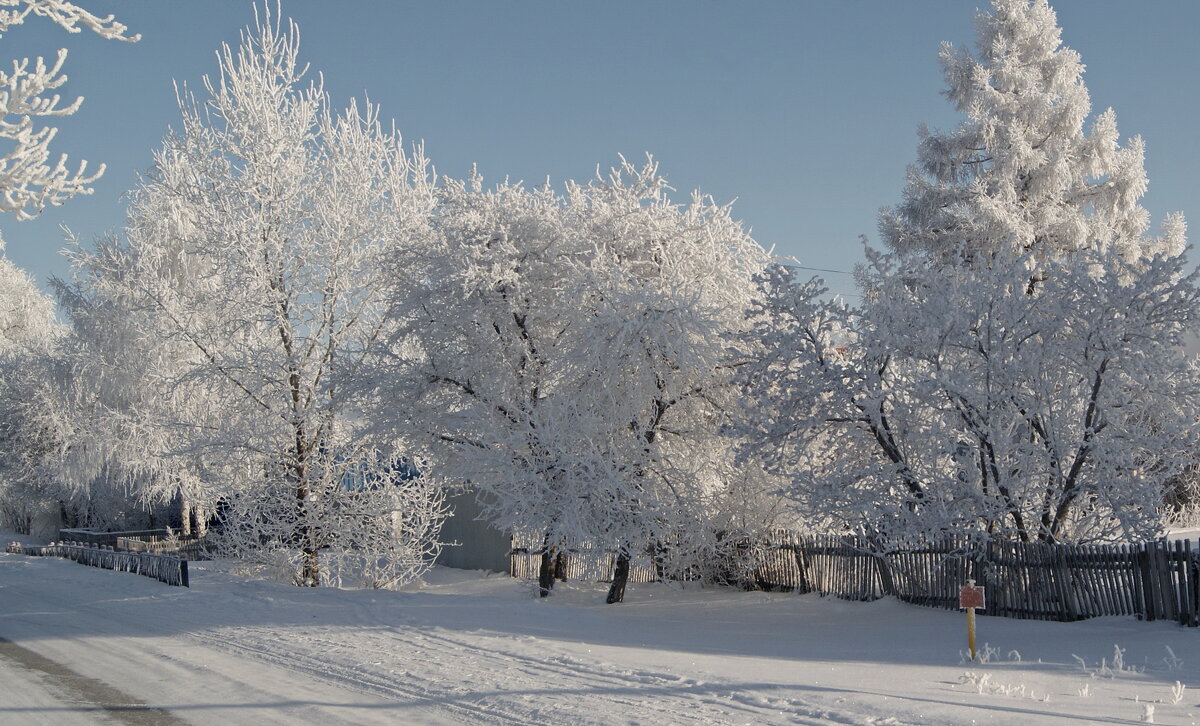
column 27, row 334
column 252, row 256
column 563, row 355
column 28, row 179
column 127, row 416
column 952, row 401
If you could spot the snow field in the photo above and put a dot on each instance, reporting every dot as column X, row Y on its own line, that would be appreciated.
column 464, row 647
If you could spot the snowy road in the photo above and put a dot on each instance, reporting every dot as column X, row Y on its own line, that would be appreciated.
column 43, row 691
column 467, row 649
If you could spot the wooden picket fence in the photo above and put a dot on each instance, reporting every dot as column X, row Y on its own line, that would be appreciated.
column 585, row 563
column 1157, row 580
column 191, row 548
column 99, row 538
column 164, row 568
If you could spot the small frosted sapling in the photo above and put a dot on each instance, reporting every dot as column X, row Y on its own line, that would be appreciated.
column 1173, row 662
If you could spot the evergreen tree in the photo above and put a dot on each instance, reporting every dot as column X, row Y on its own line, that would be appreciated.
column 1020, row 172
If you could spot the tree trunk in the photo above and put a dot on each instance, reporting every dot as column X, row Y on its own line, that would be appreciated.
column 201, row 527
column 660, row 555
column 546, row 571
column 616, row 593
column 185, row 517
column 310, row 573
column 560, row 566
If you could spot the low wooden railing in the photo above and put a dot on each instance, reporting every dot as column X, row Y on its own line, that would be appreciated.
column 164, row 568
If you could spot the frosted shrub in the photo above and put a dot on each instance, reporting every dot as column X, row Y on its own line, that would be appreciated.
column 377, row 536
column 1177, row 692
column 1173, row 662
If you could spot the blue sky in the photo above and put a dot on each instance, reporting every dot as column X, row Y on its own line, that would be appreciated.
column 804, row 112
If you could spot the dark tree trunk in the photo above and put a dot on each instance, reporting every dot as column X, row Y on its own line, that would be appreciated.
column 616, row 593
column 560, row 566
column 546, row 571
column 660, row 556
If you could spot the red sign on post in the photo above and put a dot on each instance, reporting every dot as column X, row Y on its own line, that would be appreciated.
column 970, row 596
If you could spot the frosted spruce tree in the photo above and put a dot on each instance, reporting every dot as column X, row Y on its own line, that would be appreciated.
column 250, row 274
column 1016, row 369
column 1024, row 171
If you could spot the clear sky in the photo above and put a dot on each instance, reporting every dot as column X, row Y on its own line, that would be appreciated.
column 805, row 112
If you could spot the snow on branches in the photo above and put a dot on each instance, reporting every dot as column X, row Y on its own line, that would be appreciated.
column 27, row 333
column 28, row 179
column 1016, row 368
column 563, row 355
column 1020, row 172
column 250, row 276
column 952, row 400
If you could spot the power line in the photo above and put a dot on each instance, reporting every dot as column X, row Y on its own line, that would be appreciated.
column 820, row 269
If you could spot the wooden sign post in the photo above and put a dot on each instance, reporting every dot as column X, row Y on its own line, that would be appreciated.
column 969, row 598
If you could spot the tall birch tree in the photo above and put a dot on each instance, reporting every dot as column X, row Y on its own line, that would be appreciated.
column 252, row 255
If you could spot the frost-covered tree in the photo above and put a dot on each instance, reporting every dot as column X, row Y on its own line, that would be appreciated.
column 26, row 314
column 49, row 421
column 669, row 283
column 126, row 419
column 28, row 179
column 954, row 401
column 563, row 355
column 27, row 333
column 251, row 258
column 1016, row 368
column 1020, row 172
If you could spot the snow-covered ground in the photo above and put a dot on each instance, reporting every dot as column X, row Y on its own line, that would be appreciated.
column 468, row 648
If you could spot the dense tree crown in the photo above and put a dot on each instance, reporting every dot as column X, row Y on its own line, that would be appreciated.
column 564, row 354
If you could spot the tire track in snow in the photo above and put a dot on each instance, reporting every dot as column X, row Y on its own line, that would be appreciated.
column 358, row 678
column 508, row 687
